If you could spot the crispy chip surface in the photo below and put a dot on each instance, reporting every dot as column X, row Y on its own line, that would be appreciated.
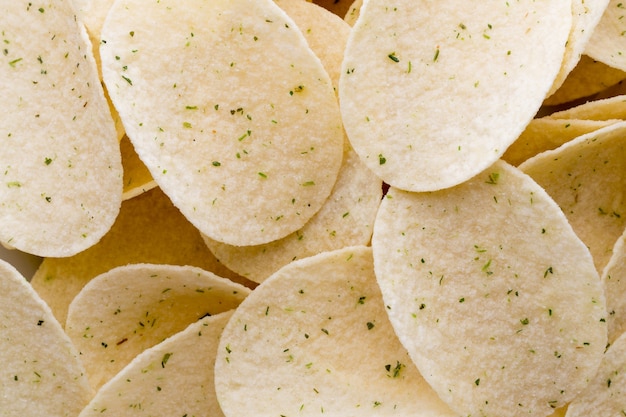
column 503, row 312
column 172, row 378
column 61, row 165
column 230, row 110
column 432, row 93
column 315, row 339
column 42, row 374
column 121, row 313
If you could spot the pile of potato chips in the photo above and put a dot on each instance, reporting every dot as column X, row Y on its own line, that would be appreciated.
column 294, row 208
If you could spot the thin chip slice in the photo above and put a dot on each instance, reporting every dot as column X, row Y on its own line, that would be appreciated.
column 432, row 93
column 149, row 229
column 605, row 109
column 245, row 136
column 495, row 298
column 589, row 77
column 315, row 339
column 41, row 372
column 546, row 133
column 173, row 378
column 353, row 12
column 61, row 165
column 346, row 219
column 607, row 41
column 614, row 281
column 606, row 393
column 123, row 312
column 586, row 15
column 587, row 179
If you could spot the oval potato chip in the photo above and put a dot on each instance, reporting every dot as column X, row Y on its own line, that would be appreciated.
column 587, row 178
column 120, row 313
column 495, row 298
column 614, row 281
column 42, row 374
column 314, row 339
column 432, row 93
column 607, row 41
column 62, row 173
column 229, row 109
column 173, row 378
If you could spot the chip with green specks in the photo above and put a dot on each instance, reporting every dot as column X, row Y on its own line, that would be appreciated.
column 42, row 374
column 314, row 339
column 61, row 185
column 586, row 177
column 121, row 313
column 172, row 378
column 614, row 282
column 492, row 293
column 607, row 44
column 604, row 396
column 433, row 93
column 230, row 110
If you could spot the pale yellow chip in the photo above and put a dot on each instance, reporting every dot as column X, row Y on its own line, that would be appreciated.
column 173, row 378
column 346, row 219
column 230, row 110
column 433, row 93
column 606, row 393
column 42, row 374
column 61, row 168
column 586, row 177
column 604, row 109
column 614, row 281
column 548, row 133
column 149, row 229
column 607, row 42
column 586, row 15
column 494, row 296
column 131, row 308
column 353, row 12
column 589, row 77
column 315, row 339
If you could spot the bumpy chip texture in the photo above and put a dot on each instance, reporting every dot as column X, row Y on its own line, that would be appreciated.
column 230, row 110
column 61, row 169
column 42, row 372
column 432, row 93
column 491, row 292
column 314, row 339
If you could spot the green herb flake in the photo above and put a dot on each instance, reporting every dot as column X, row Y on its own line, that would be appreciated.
column 308, row 183
column 370, row 325
column 381, row 159
column 128, row 80
column 47, row 161
column 187, row 125
column 436, row 56
column 216, row 163
column 262, row 174
column 166, row 358
column 393, row 57
column 15, row 61
column 493, row 178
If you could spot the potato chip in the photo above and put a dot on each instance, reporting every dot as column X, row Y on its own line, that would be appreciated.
column 173, row 378
column 586, row 16
column 149, row 229
column 606, row 109
column 62, row 173
column 128, row 309
column 434, row 93
column 614, row 281
column 589, row 77
column 494, row 296
column 605, row 395
column 314, row 338
column 352, row 14
column 546, row 133
column 586, row 177
column 607, row 44
column 41, row 372
column 245, row 135
column 346, row 219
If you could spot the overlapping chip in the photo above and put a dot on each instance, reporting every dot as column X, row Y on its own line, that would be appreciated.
column 61, row 170
column 222, row 139
column 315, row 339
column 433, row 93
column 495, row 298
column 606, row 43
column 129, row 309
column 42, row 374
